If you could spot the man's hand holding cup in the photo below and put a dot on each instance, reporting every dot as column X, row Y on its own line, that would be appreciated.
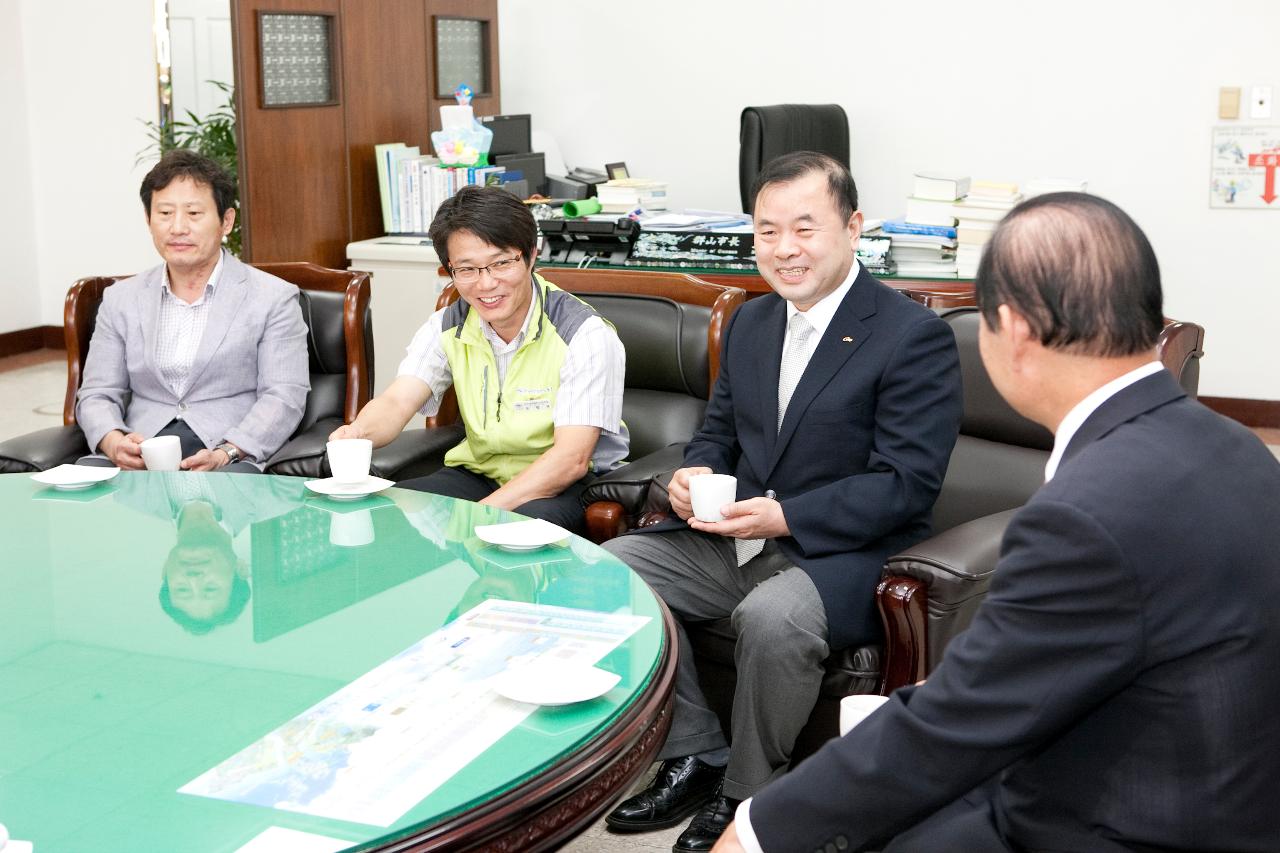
column 678, row 491
column 716, row 509
column 347, row 431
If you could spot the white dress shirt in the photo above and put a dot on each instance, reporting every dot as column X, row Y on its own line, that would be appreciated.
column 1086, row 407
column 821, row 312
column 180, row 328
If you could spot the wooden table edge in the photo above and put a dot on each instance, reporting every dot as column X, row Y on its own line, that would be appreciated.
column 554, row 806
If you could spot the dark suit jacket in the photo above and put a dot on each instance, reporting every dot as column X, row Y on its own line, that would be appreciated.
column 862, row 453
column 1123, row 674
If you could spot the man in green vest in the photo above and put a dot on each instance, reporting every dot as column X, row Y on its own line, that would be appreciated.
column 537, row 372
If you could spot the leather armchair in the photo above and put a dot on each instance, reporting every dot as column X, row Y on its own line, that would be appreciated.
column 670, row 325
column 930, row 592
column 769, row 132
column 335, row 307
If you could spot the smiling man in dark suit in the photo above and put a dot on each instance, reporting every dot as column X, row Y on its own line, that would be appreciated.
column 836, row 407
column 1119, row 688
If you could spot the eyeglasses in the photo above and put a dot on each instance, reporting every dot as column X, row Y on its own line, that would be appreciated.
column 498, row 269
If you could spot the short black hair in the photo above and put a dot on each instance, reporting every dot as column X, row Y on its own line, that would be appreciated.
column 1080, row 271
column 185, row 163
column 236, row 601
column 797, row 164
column 490, row 213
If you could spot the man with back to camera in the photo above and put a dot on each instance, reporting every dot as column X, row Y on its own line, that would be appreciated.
column 202, row 347
column 1117, row 690
column 837, row 406
column 537, row 372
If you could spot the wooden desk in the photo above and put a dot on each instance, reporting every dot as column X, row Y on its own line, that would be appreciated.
column 934, row 293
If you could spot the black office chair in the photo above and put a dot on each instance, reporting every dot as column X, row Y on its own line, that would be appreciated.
column 769, row 132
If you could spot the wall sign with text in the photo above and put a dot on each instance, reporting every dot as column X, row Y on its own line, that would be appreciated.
column 1244, row 166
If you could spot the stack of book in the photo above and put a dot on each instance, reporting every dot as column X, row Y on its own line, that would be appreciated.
column 977, row 216
column 412, row 186
column 924, row 240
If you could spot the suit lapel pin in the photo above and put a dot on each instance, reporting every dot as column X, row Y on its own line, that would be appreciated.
column 846, row 339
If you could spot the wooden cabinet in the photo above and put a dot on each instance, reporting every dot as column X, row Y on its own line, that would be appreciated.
column 308, row 181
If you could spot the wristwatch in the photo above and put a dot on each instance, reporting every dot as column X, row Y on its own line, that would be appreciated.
column 233, row 452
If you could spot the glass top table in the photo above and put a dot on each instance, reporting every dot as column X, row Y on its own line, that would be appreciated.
column 216, row 662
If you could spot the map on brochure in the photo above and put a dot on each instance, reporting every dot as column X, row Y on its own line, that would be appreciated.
column 374, row 749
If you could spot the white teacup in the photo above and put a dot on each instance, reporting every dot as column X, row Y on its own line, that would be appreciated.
column 709, row 492
column 162, row 453
column 351, row 529
column 855, row 709
column 349, row 459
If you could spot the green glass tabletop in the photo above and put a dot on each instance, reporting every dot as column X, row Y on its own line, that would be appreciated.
column 189, row 661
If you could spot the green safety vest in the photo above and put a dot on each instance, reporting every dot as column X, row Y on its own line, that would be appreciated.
column 509, row 424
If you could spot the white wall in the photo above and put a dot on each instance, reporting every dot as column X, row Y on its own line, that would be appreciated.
column 87, row 76
column 19, row 286
column 1122, row 94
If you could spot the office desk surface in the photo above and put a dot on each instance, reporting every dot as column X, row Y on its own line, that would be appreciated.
column 931, row 292
column 108, row 705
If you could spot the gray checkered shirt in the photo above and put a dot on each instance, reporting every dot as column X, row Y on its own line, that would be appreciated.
column 180, row 329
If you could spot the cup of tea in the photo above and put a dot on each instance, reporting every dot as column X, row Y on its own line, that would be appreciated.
column 709, row 492
column 162, row 453
column 349, row 459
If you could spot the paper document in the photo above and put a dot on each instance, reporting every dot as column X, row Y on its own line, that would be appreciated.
column 377, row 747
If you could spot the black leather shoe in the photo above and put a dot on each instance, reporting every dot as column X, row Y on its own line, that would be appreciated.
column 707, row 825
column 681, row 786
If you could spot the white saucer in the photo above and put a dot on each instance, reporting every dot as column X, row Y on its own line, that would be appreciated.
column 348, row 491
column 550, row 683
column 74, row 476
column 522, row 535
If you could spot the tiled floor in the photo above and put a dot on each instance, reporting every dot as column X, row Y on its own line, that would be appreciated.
column 32, row 386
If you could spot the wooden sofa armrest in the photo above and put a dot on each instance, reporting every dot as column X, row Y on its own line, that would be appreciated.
column 930, row 592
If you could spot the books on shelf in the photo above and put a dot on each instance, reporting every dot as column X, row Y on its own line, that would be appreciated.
column 412, row 186
column 386, row 173
column 915, row 269
column 967, row 259
column 994, row 191
column 938, row 186
column 922, row 240
column 923, row 254
column 970, row 236
column 978, row 214
column 902, row 226
column 982, row 210
column 924, row 211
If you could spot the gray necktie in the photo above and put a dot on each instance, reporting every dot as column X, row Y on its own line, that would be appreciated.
column 795, row 357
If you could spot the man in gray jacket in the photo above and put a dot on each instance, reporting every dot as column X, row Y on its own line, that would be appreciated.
column 202, row 347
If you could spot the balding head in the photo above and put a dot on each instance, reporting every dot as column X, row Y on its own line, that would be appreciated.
column 1081, row 273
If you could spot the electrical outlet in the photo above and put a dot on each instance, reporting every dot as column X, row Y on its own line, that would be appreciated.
column 1260, row 102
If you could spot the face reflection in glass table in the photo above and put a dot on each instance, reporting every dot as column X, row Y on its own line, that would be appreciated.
column 163, row 628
